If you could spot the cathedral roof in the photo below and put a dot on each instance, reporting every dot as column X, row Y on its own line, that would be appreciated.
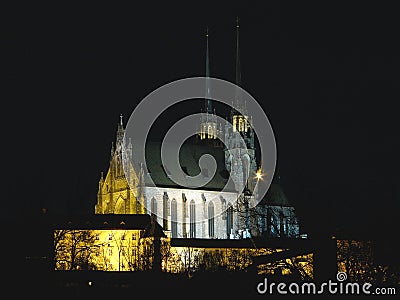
column 190, row 154
column 275, row 196
column 189, row 159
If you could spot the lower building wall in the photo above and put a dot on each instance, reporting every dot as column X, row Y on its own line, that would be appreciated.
column 129, row 250
column 107, row 250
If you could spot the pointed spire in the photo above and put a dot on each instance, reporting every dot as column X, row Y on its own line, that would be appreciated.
column 238, row 75
column 120, row 118
column 208, row 97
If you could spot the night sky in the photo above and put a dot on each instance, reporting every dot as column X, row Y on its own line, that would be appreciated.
column 326, row 74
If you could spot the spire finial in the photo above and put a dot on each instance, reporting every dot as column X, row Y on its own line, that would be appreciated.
column 237, row 21
column 208, row 97
column 120, row 119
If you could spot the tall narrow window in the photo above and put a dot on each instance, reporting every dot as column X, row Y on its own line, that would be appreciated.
column 153, row 207
column 184, row 215
column 229, row 219
column 174, row 219
column 211, row 220
column 263, row 219
column 192, row 216
column 281, row 225
column 270, row 220
column 165, row 211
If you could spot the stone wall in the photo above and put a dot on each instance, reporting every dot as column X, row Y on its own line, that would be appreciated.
column 201, row 199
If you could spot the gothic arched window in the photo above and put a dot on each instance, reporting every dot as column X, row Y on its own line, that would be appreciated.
column 165, row 211
column 192, row 217
column 153, row 207
column 174, row 219
column 229, row 219
column 211, row 220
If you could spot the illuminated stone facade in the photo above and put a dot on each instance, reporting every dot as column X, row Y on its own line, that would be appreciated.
column 178, row 202
column 195, row 213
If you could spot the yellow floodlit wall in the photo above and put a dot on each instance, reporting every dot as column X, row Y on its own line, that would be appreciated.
column 108, row 250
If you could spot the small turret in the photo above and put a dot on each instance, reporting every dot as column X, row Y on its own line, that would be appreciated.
column 101, row 181
column 120, row 133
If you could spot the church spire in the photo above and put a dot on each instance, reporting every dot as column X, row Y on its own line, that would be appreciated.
column 208, row 97
column 208, row 121
column 238, row 74
column 238, row 79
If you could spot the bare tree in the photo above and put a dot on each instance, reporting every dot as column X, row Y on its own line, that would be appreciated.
column 192, row 259
column 72, row 249
column 146, row 253
column 355, row 258
column 131, row 257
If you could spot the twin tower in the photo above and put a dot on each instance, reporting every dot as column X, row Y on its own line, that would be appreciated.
column 239, row 148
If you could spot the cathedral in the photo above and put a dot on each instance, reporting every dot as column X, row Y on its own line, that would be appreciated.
column 206, row 212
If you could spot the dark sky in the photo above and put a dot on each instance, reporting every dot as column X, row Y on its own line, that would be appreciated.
column 326, row 74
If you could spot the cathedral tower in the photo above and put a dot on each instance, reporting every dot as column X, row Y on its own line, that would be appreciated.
column 239, row 139
column 121, row 190
column 209, row 127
